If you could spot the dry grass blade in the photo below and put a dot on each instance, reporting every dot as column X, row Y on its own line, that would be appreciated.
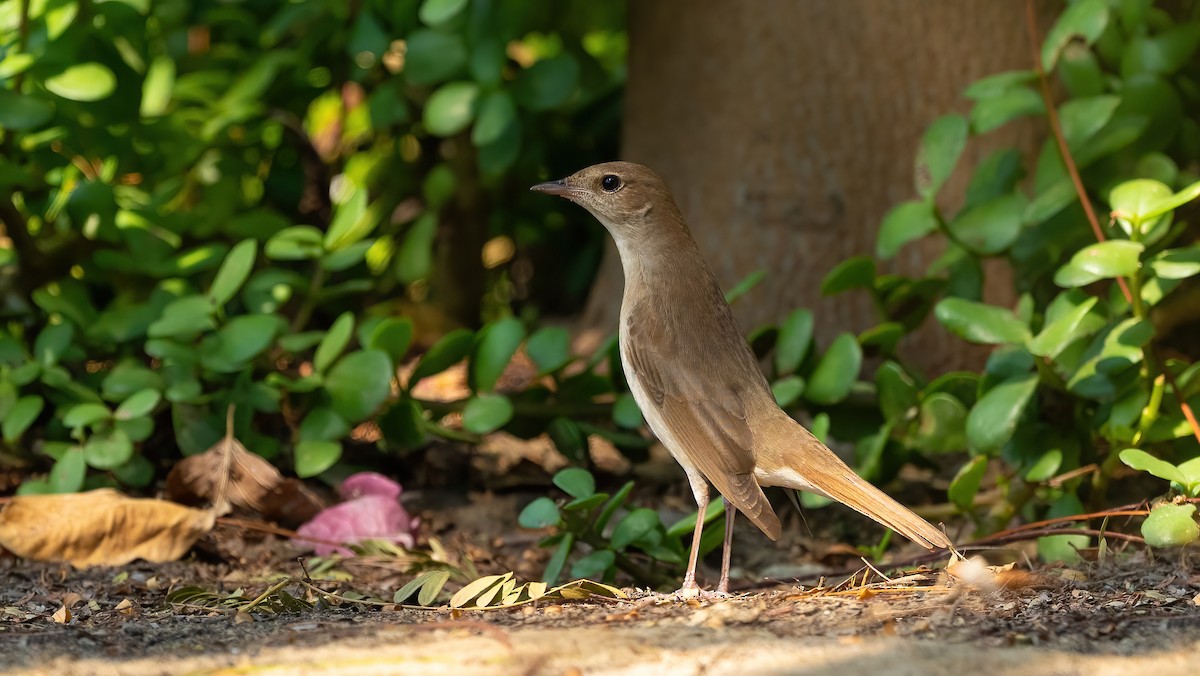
column 99, row 528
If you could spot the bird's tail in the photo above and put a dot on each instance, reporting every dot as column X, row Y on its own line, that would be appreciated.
column 797, row 459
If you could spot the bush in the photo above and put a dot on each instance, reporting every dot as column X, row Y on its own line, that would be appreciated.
column 209, row 203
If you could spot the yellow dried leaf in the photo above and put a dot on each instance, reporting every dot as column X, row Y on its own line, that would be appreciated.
column 99, row 528
column 474, row 589
column 62, row 615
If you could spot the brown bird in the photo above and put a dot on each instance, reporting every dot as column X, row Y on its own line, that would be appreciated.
column 695, row 378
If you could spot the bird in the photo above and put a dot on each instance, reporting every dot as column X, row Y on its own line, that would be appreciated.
column 697, row 381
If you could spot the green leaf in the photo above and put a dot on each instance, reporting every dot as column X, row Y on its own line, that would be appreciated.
column 1172, row 202
column 1133, row 201
column 451, row 108
column 1171, row 526
column 550, row 348
column 905, row 223
column 787, row 390
column 1144, row 462
column 157, row 87
column 485, row 413
column 392, row 336
column 857, row 272
column 835, row 374
column 109, row 449
column 585, row 504
column 299, row 242
column 138, row 405
column 237, row 342
column 23, row 112
column 611, row 507
column 980, row 322
column 23, row 413
column 1081, row 118
column 334, row 342
column 353, row 219
column 234, row 272
column 183, row 318
column 634, row 526
column 446, row 352
column 557, row 560
column 996, row 175
column 540, row 513
column 322, row 424
column 990, row 227
column 998, row 84
column 942, row 426
column 1114, row 258
column 1163, row 53
column 626, row 412
column 497, row 113
column 1057, row 335
column 795, row 336
column 52, row 343
column 1063, row 547
column 994, row 417
column 744, row 286
column 359, row 384
column 314, row 457
column 576, row 482
column 438, row 12
column 1176, row 263
column 897, row 392
column 996, row 111
column 1046, row 467
column 415, row 258
column 1085, row 19
column 433, row 56
column 86, row 414
column 84, row 82
column 965, row 484
column 594, row 564
column 548, row 83
column 495, row 345
column 68, row 472
column 940, row 149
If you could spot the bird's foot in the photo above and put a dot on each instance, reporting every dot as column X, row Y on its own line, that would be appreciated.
column 687, row 594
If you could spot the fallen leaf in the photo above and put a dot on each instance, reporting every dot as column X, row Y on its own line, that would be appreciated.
column 229, row 474
column 372, row 511
column 99, row 528
column 125, row 604
column 70, row 599
column 62, row 615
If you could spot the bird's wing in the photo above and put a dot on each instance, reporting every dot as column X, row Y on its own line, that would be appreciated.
column 707, row 418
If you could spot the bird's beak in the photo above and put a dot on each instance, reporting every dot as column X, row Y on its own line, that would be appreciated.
column 558, row 187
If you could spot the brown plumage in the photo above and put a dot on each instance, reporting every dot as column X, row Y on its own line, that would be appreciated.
column 695, row 378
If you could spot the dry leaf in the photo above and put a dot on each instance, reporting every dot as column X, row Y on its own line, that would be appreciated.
column 228, row 474
column 125, row 604
column 99, row 528
column 62, row 615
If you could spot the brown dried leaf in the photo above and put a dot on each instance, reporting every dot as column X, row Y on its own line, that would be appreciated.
column 228, row 474
column 99, row 528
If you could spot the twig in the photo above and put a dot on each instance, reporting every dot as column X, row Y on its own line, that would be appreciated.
column 1035, row 40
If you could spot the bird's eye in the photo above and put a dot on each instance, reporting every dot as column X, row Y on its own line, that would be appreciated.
column 610, row 183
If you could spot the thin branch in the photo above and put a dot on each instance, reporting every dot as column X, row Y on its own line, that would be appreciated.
column 1060, row 140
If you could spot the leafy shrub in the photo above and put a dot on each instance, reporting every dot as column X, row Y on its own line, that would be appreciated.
column 209, row 204
column 1089, row 361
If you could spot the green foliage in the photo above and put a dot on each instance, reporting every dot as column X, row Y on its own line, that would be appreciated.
column 614, row 535
column 1077, row 370
column 209, row 204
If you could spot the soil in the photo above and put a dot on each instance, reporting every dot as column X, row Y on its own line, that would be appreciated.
column 1138, row 616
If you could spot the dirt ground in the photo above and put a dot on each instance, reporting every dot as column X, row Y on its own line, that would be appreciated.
column 1139, row 616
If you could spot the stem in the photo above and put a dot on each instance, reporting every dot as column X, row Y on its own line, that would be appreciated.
column 1059, row 139
column 310, row 301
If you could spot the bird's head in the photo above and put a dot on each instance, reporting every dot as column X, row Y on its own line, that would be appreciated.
column 621, row 195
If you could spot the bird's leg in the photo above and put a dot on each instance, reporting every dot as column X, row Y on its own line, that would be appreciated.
column 730, row 513
column 700, row 492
